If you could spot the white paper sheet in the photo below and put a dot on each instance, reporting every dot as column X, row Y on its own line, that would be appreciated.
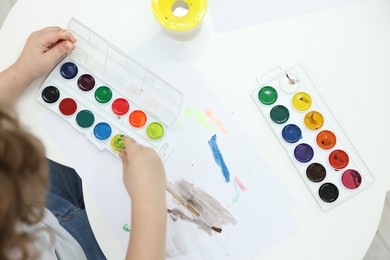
column 260, row 207
column 230, row 15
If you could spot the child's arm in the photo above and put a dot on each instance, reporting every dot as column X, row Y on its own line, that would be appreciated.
column 41, row 53
column 145, row 181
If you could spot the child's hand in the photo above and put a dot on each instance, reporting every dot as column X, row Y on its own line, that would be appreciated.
column 143, row 172
column 145, row 181
column 43, row 50
column 41, row 53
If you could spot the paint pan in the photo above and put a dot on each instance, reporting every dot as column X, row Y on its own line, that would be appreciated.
column 105, row 94
column 315, row 142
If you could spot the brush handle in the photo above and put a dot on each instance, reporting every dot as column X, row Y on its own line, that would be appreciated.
column 182, row 201
column 190, row 208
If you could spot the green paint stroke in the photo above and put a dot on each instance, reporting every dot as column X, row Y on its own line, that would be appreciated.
column 199, row 115
column 126, row 228
column 237, row 196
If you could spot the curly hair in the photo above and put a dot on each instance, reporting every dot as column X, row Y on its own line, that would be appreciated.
column 23, row 183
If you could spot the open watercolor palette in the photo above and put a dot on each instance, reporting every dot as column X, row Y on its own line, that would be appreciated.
column 105, row 94
column 318, row 147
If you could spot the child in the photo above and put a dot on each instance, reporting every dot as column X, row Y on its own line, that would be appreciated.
column 28, row 230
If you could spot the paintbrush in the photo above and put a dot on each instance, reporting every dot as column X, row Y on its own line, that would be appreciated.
column 191, row 209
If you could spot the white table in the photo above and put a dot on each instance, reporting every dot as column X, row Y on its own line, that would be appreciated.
column 345, row 51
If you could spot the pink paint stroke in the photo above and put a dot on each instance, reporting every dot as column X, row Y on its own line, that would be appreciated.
column 213, row 118
column 239, row 183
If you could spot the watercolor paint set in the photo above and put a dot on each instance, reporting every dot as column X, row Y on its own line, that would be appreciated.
column 316, row 144
column 105, row 94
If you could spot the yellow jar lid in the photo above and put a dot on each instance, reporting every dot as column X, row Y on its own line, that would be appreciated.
column 162, row 10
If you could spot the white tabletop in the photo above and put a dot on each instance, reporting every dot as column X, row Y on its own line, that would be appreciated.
column 345, row 51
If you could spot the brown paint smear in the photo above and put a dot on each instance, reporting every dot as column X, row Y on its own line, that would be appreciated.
column 212, row 212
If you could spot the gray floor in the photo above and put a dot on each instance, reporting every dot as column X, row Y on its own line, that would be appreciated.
column 5, row 6
column 380, row 247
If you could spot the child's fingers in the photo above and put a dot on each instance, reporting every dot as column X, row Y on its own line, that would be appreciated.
column 52, row 35
column 62, row 34
column 131, row 145
column 70, row 37
column 65, row 47
column 59, row 51
column 123, row 156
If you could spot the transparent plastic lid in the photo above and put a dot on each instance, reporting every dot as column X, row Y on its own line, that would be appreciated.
column 125, row 74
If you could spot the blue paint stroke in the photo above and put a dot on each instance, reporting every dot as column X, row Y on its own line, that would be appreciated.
column 218, row 157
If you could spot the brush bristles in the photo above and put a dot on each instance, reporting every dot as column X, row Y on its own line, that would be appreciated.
column 217, row 229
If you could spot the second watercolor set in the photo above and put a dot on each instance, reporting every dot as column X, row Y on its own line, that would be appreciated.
column 316, row 144
column 105, row 94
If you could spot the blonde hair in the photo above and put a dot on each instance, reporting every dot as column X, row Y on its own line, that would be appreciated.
column 23, row 184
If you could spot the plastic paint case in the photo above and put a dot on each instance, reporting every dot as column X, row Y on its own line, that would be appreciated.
column 105, row 94
column 323, row 156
